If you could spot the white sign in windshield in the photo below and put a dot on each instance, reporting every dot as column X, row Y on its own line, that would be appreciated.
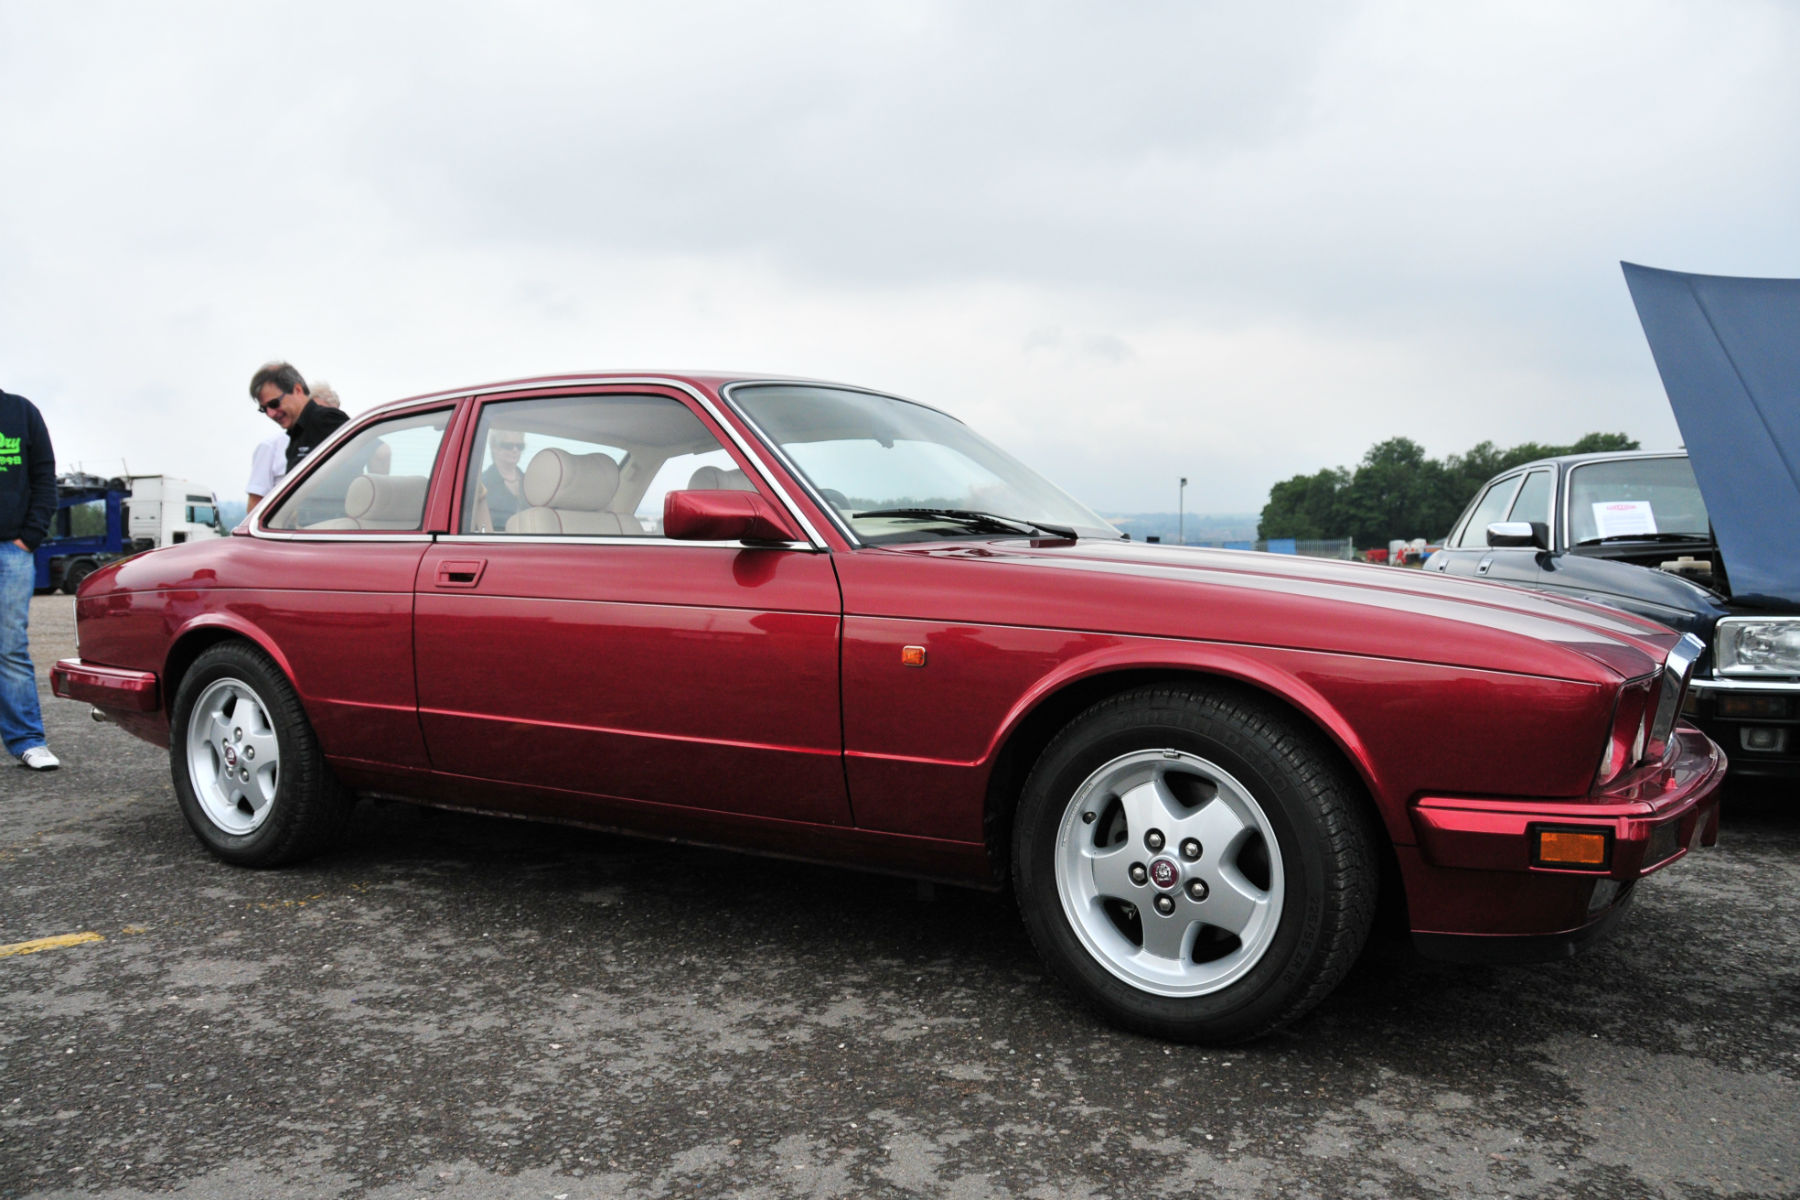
column 1618, row 518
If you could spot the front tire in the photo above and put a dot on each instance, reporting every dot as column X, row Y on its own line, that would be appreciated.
column 1195, row 864
column 246, row 764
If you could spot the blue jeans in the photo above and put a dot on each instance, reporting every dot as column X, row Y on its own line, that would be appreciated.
column 21, row 722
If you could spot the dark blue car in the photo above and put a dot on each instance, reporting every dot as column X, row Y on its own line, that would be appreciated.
column 1705, row 540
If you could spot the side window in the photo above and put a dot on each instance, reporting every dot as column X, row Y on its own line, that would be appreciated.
column 1491, row 508
column 375, row 481
column 1533, row 503
column 594, row 466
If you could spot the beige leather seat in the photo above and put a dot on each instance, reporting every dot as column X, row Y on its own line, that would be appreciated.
column 714, row 479
column 381, row 502
column 569, row 493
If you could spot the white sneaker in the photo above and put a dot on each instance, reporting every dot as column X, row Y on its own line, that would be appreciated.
column 39, row 758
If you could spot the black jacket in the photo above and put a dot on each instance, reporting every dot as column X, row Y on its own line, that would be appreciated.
column 27, row 472
column 310, row 428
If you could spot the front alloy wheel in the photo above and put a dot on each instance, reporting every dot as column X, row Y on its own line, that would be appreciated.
column 1195, row 862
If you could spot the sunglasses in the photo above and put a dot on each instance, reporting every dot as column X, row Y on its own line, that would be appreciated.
column 270, row 406
column 509, row 445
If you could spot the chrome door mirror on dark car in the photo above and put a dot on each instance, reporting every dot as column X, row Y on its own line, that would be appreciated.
column 1519, row 533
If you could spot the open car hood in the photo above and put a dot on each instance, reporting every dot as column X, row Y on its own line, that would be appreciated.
column 1728, row 350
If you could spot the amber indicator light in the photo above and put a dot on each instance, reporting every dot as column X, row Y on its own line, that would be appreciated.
column 912, row 656
column 1570, row 848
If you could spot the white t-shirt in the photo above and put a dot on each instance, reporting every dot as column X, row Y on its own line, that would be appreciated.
column 268, row 463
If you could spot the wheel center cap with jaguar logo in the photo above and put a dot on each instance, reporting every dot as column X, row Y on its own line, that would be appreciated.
column 230, row 756
column 1164, row 873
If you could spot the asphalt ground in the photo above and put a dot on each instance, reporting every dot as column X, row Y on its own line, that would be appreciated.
column 460, row 1007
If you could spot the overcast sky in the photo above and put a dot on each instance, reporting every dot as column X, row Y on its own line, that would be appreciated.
column 1129, row 241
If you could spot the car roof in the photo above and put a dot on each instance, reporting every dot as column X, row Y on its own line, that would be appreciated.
column 1575, row 460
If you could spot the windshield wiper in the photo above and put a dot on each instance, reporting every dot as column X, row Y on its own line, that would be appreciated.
column 1644, row 537
column 975, row 519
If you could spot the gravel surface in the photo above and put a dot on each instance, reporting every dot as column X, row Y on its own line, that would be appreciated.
column 460, row 1007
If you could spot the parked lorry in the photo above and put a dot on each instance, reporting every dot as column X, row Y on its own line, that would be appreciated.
column 98, row 520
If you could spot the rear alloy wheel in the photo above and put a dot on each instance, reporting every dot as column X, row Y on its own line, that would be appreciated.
column 1194, row 864
column 246, row 765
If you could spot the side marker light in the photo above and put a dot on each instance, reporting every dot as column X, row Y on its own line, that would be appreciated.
column 1571, row 848
column 912, row 656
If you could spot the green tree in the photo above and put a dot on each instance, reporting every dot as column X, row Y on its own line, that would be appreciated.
column 1397, row 492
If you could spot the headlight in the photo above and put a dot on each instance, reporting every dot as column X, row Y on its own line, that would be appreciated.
column 1757, row 646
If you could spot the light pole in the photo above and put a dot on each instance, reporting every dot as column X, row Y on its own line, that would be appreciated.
column 1181, row 513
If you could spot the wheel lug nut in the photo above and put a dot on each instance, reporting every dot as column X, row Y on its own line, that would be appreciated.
column 1164, row 905
column 249, row 751
column 237, row 735
column 1154, row 839
column 1139, row 875
column 244, row 774
column 1190, row 849
column 1197, row 889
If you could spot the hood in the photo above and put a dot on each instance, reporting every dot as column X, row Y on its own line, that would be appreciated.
column 1277, row 600
column 1728, row 350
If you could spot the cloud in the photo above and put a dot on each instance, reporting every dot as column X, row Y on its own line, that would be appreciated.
column 1236, row 243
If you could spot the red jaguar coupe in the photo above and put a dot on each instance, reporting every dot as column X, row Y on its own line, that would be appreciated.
column 813, row 620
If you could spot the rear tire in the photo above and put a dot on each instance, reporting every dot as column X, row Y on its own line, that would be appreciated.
column 246, row 764
column 77, row 571
column 1195, row 864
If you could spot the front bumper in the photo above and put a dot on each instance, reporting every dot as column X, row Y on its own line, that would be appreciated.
column 1474, row 891
column 1757, row 721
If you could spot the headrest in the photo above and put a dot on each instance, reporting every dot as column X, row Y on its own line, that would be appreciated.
column 558, row 479
column 712, row 479
column 386, row 498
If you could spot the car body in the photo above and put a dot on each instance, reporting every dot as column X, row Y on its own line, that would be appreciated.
column 1705, row 540
column 818, row 621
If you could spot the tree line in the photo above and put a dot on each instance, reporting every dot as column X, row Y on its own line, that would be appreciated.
column 1396, row 492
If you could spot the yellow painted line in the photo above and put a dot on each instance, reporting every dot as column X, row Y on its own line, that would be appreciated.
column 49, row 943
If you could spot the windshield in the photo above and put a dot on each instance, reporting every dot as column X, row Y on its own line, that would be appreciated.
column 1635, row 498
column 869, row 456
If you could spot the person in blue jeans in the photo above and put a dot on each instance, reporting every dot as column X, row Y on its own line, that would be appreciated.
column 27, row 502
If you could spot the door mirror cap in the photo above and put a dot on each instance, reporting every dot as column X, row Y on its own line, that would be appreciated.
column 1519, row 533
column 725, row 516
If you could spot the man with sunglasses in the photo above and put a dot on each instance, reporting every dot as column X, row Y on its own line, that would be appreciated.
column 282, row 395
column 505, row 479
column 27, row 502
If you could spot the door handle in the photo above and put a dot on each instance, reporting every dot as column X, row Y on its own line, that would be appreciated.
column 460, row 572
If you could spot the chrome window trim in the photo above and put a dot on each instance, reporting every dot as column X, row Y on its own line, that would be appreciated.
column 610, row 539
column 341, row 535
column 458, row 395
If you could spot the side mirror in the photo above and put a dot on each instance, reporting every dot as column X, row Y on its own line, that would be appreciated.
column 1519, row 533
column 725, row 516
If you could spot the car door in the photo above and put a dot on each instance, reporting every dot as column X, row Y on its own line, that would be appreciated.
column 1524, row 496
column 570, row 646
column 330, row 585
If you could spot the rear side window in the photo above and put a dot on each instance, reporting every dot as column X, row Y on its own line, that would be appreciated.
column 375, row 481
